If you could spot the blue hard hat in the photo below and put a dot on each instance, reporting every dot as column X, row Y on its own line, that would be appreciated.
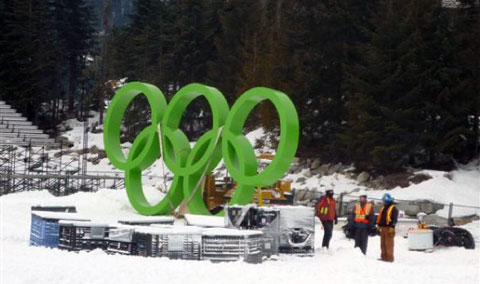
column 387, row 198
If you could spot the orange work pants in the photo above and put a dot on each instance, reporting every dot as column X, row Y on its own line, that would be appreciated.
column 387, row 235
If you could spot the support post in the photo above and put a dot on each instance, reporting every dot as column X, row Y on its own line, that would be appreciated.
column 340, row 204
column 450, row 218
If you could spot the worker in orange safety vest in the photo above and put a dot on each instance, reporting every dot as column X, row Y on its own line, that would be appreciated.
column 386, row 221
column 362, row 221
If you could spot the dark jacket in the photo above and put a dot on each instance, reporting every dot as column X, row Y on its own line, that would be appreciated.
column 383, row 217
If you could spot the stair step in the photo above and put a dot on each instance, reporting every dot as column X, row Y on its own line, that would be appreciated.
column 19, row 128
column 21, row 132
column 25, row 139
column 12, row 118
column 22, row 126
column 15, row 122
column 34, row 144
column 15, row 129
column 21, row 135
column 14, row 115
column 7, row 110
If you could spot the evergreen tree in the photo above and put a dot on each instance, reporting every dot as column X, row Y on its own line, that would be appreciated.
column 75, row 23
column 38, row 38
column 382, row 83
column 28, row 55
column 402, row 108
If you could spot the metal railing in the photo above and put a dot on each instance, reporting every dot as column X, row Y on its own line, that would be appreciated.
column 340, row 199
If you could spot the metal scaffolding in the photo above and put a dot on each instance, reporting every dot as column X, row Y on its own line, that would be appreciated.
column 33, row 168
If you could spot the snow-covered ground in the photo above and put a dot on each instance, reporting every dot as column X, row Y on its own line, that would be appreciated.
column 75, row 135
column 20, row 263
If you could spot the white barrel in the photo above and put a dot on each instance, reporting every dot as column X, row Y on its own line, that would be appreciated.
column 420, row 239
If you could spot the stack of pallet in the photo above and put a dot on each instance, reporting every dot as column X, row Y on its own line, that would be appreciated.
column 219, row 244
column 187, row 242
column 82, row 235
column 45, row 227
column 174, row 242
column 70, row 231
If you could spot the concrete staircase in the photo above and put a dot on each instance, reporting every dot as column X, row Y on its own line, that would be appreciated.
column 17, row 130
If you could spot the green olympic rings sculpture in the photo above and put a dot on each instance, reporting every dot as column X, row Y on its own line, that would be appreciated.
column 225, row 139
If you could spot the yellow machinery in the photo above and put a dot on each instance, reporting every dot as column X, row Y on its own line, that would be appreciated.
column 218, row 192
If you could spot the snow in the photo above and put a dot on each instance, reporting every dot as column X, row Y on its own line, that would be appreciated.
column 230, row 232
column 168, row 229
column 59, row 215
column 204, row 221
column 83, row 223
column 149, row 219
column 461, row 187
column 21, row 263
column 75, row 135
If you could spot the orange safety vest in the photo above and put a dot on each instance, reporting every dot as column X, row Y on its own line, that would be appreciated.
column 361, row 214
column 389, row 215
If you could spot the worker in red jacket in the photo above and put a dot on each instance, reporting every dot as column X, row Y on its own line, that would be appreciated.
column 327, row 214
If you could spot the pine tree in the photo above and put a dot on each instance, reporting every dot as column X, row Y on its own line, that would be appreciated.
column 407, row 103
column 75, row 23
column 28, row 55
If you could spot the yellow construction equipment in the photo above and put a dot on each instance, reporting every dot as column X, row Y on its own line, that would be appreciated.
column 218, row 192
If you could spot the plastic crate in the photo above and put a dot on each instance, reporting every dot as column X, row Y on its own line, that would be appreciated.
column 232, row 245
column 146, row 243
column 264, row 219
column 297, row 230
column 174, row 242
column 44, row 229
column 77, row 235
column 120, row 241
column 119, row 247
column 180, row 246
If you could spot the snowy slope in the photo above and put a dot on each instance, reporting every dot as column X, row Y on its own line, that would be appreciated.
column 20, row 263
column 461, row 186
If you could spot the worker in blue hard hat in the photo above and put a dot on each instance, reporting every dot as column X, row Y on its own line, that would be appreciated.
column 386, row 221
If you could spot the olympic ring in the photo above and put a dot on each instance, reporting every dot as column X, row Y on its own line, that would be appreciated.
column 189, row 165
